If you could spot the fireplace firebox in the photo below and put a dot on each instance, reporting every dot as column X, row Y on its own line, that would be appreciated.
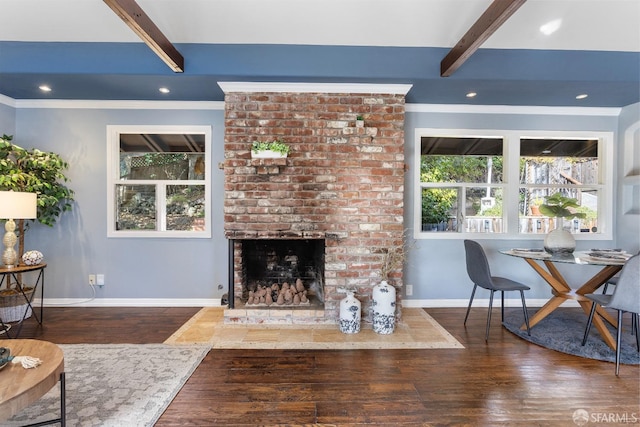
column 282, row 268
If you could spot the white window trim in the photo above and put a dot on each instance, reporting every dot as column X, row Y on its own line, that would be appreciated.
column 113, row 168
column 511, row 183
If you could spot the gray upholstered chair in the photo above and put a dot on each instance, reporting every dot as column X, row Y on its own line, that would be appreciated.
column 625, row 298
column 612, row 281
column 480, row 274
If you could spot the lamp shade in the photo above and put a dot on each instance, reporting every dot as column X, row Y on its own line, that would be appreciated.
column 18, row 205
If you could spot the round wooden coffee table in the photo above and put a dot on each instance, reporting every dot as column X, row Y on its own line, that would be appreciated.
column 20, row 387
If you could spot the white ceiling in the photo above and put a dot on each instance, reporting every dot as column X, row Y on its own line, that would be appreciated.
column 609, row 25
column 595, row 51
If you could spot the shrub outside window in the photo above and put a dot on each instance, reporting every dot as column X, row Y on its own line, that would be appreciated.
column 159, row 181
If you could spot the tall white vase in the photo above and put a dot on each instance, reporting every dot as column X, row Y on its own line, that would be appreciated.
column 350, row 308
column 383, row 308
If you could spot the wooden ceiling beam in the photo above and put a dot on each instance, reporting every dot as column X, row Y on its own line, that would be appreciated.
column 492, row 18
column 133, row 15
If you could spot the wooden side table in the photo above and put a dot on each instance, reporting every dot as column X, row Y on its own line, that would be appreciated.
column 20, row 387
column 14, row 273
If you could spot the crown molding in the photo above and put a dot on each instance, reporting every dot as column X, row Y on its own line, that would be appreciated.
column 7, row 101
column 513, row 109
column 307, row 88
column 117, row 104
column 393, row 89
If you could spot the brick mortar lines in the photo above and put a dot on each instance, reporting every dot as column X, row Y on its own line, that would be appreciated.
column 332, row 168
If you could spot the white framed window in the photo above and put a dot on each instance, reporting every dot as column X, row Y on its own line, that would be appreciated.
column 488, row 182
column 158, row 182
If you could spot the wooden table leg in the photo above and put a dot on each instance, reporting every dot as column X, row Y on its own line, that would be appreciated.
column 544, row 311
column 563, row 292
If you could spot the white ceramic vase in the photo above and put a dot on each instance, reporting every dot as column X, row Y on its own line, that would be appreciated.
column 350, row 308
column 383, row 308
column 559, row 241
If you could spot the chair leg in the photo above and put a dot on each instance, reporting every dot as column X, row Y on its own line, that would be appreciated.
column 502, row 305
column 473, row 292
column 526, row 315
column 634, row 320
column 486, row 335
column 618, row 336
column 589, row 322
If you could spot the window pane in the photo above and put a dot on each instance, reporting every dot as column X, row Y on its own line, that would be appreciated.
column 185, row 207
column 559, row 161
column 162, row 156
column 161, row 166
column 135, row 207
column 439, row 209
column 470, row 160
column 483, row 210
column 532, row 221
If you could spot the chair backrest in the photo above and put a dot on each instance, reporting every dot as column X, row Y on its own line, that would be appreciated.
column 626, row 296
column 477, row 264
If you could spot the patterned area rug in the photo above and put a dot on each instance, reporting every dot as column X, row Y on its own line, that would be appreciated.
column 563, row 330
column 116, row 384
column 416, row 330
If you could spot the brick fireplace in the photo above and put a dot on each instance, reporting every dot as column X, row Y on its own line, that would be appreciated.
column 341, row 184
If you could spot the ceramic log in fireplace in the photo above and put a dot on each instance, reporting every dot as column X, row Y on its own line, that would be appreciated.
column 281, row 269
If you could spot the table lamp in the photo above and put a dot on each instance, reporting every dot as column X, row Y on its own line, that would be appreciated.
column 15, row 205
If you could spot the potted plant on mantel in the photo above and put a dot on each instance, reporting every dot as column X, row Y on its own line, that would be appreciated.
column 275, row 149
column 39, row 172
column 560, row 240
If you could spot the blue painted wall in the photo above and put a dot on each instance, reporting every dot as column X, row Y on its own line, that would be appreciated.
column 628, row 164
column 183, row 270
column 7, row 119
column 78, row 245
column 436, row 269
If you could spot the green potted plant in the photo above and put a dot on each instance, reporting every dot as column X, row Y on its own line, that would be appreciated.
column 535, row 206
column 39, row 172
column 269, row 149
column 558, row 206
column 359, row 121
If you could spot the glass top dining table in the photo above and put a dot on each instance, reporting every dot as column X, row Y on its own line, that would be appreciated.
column 544, row 264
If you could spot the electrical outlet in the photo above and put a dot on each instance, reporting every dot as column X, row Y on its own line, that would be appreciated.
column 92, row 280
column 408, row 290
column 100, row 280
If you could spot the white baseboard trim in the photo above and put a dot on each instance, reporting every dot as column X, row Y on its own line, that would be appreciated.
column 126, row 302
column 450, row 303
column 216, row 302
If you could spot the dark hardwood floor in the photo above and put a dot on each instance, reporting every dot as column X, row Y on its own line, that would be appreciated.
column 505, row 382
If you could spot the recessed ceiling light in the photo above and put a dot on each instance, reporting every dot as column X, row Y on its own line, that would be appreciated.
column 550, row 27
column 582, row 96
column 44, row 88
column 546, row 151
column 471, row 95
column 164, row 90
